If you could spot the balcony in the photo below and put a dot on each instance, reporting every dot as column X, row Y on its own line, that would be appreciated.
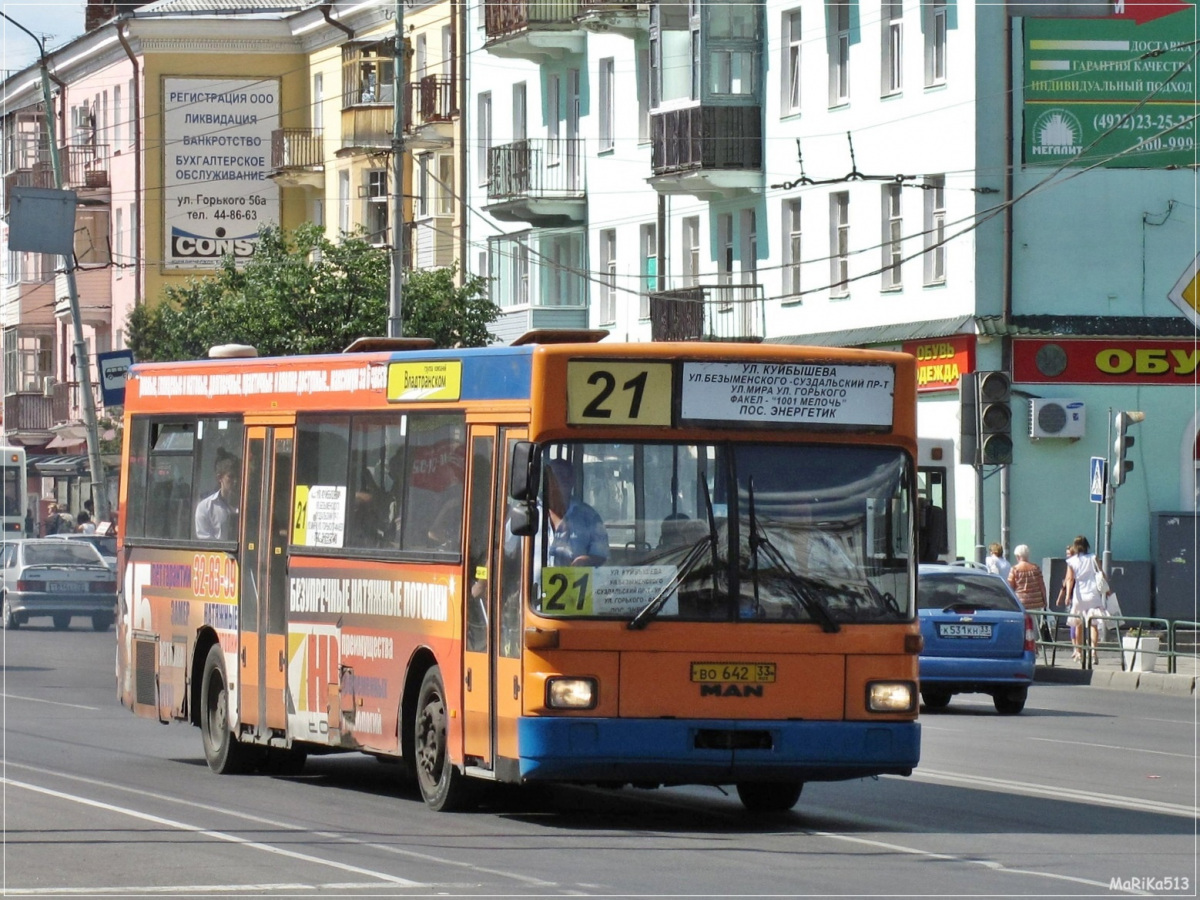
column 430, row 109
column 724, row 312
column 30, row 300
column 614, row 17
column 707, row 151
column 85, row 168
column 538, row 181
column 367, row 127
column 28, row 415
column 94, row 287
column 298, row 157
column 536, row 30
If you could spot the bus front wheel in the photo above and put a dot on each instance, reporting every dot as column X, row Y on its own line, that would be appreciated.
column 443, row 787
column 224, row 753
column 769, row 797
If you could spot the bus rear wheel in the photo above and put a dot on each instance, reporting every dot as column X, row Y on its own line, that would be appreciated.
column 224, row 753
column 443, row 787
column 768, row 796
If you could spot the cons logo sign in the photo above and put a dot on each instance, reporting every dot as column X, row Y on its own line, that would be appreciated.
column 195, row 246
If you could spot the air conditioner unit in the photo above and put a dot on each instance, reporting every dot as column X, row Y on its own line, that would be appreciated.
column 1057, row 418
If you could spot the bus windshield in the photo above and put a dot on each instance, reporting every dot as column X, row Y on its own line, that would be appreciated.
column 766, row 532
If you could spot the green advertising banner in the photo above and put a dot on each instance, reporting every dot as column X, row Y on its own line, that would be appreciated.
column 1111, row 91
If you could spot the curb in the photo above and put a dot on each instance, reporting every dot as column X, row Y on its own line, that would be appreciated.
column 1115, row 679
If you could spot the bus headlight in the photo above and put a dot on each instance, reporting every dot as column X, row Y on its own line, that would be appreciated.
column 891, row 696
column 571, row 693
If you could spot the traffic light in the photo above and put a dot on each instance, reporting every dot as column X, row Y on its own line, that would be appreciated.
column 1121, row 445
column 995, row 419
column 968, row 422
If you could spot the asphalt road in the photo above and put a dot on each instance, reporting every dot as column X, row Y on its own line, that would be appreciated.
column 1089, row 792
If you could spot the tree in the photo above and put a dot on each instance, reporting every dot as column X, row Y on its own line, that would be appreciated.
column 302, row 293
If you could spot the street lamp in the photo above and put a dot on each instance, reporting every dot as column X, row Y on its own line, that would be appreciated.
column 82, row 361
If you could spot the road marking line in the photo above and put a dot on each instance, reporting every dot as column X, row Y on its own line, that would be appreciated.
column 1139, row 804
column 950, row 857
column 191, row 889
column 1113, row 747
column 218, row 835
column 288, row 826
column 49, row 702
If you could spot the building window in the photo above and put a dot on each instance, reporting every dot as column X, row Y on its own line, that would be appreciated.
column 445, row 186
column 119, row 249
column 893, row 235
column 648, row 238
column 790, row 64
column 131, row 118
column 484, row 125
column 421, row 56
column 520, row 115
column 520, row 290
column 376, row 214
column 553, row 115
column 935, row 229
column 935, row 43
column 838, row 12
column 608, row 276
column 423, row 185
column 892, row 64
column 344, row 202
column 839, row 244
column 724, row 259
column 791, row 248
column 367, row 73
column 118, row 112
column 642, row 57
column 749, row 248
column 691, row 251
column 318, row 102
column 674, row 52
column 606, row 104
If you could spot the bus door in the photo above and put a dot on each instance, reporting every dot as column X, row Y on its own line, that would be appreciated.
column 263, row 591
column 479, row 601
column 494, row 597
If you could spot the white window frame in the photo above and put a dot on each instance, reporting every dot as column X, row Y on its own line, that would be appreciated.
column 690, row 237
column 839, row 244
column 643, row 93
column 936, row 34
column 608, row 276
column 553, row 118
column 520, row 112
column 119, row 241
column 317, row 114
column 892, row 44
column 793, row 235
column 893, row 235
column 118, row 121
column 789, row 65
column 935, row 230
column 606, row 76
column 839, row 52
column 444, row 189
column 344, row 221
column 483, row 103
column 725, row 252
column 648, row 239
column 424, row 186
column 375, row 205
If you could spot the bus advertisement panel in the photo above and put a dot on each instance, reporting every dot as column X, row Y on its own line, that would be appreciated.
column 574, row 562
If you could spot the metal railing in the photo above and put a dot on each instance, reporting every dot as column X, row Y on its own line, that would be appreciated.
column 536, row 168
column 1180, row 639
column 297, row 148
column 504, row 17
column 712, row 312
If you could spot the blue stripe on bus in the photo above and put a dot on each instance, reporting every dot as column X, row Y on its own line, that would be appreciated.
column 488, row 373
column 664, row 750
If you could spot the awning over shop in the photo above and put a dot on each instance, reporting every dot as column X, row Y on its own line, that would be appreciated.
column 75, row 464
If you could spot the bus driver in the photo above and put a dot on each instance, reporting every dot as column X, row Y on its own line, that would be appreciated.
column 579, row 536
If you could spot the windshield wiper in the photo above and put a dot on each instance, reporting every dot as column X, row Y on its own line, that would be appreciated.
column 798, row 586
column 690, row 560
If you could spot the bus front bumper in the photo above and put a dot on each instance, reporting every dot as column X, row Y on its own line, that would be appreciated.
column 701, row 751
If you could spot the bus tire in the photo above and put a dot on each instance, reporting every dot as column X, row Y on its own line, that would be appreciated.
column 8, row 617
column 935, row 699
column 443, row 787
column 769, row 796
column 222, row 750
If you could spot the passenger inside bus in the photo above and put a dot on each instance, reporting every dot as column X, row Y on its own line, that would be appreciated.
column 680, row 530
column 216, row 514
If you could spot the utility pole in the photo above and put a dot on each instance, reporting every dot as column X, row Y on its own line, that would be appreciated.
column 87, row 401
column 395, row 305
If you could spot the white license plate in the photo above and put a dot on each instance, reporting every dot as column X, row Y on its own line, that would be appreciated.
column 65, row 587
column 963, row 630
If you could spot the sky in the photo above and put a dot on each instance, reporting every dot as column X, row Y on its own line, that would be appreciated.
column 55, row 21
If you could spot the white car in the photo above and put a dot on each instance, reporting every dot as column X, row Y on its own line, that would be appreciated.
column 105, row 543
column 44, row 577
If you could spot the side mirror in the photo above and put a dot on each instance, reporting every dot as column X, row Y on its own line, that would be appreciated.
column 523, row 519
column 526, row 472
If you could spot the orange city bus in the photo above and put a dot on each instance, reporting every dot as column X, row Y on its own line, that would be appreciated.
column 367, row 552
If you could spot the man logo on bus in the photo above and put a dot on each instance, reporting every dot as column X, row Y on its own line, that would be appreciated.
column 196, row 246
column 731, row 690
